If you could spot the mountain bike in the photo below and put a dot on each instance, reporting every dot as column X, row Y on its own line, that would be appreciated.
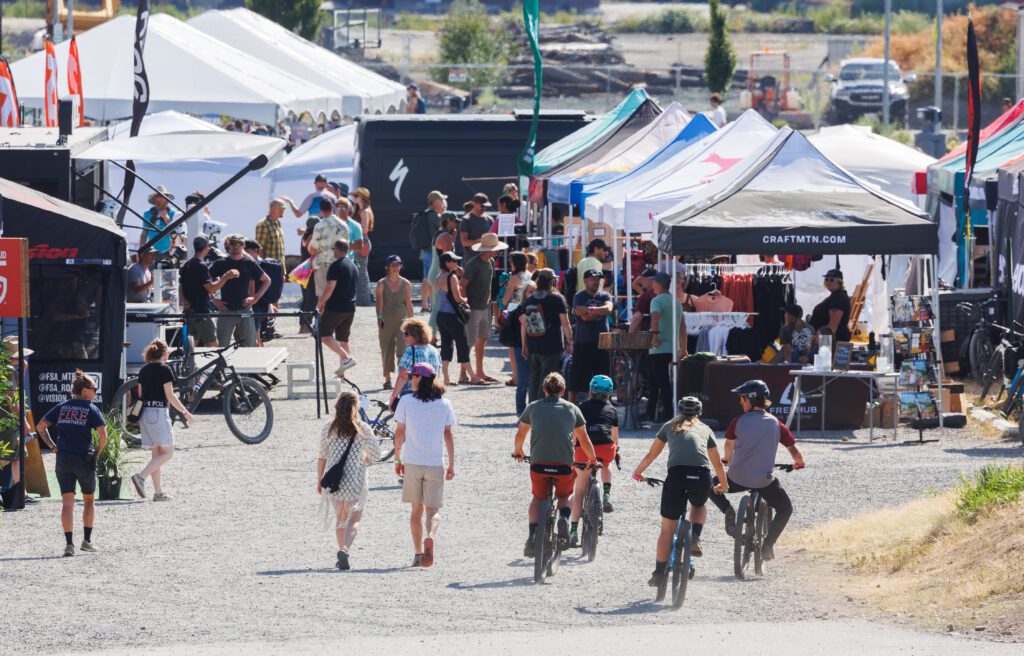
column 379, row 417
column 982, row 341
column 1006, row 351
column 548, row 546
column 753, row 517
column 592, row 519
column 246, row 406
column 679, row 558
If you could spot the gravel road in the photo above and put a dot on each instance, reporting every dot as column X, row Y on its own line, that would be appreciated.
column 237, row 561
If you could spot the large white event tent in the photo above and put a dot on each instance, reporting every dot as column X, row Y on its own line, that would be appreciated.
column 188, row 71
column 362, row 90
column 186, row 154
column 689, row 169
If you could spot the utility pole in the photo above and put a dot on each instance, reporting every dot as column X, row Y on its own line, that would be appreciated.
column 885, row 65
column 938, row 54
column 69, row 31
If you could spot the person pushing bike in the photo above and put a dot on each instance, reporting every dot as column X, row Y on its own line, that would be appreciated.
column 603, row 431
column 692, row 452
column 752, row 440
column 552, row 423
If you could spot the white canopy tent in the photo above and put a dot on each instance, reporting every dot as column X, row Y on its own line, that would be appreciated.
column 188, row 71
column 362, row 91
column 162, row 123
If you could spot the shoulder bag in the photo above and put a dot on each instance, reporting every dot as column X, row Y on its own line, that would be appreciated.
column 461, row 309
column 332, row 477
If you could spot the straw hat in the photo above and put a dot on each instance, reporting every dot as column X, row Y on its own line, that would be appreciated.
column 11, row 346
column 161, row 191
column 362, row 192
column 489, row 242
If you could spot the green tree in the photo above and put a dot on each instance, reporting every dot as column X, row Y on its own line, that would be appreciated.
column 301, row 16
column 468, row 37
column 720, row 59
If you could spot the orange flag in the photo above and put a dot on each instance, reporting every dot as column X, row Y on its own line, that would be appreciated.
column 75, row 80
column 50, row 87
column 10, row 116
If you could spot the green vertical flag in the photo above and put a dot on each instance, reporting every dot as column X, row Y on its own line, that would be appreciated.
column 531, row 20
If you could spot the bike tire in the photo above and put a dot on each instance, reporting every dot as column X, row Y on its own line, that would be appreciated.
column 124, row 397
column 556, row 548
column 1020, row 423
column 681, row 568
column 386, row 435
column 594, row 513
column 760, row 530
column 740, row 551
column 243, row 397
column 542, row 542
column 979, row 354
column 992, row 373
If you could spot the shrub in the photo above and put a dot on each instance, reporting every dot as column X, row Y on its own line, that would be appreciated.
column 670, row 21
column 994, row 485
column 467, row 38
column 720, row 58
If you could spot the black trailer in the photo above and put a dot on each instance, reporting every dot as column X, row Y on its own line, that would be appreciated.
column 36, row 158
column 402, row 158
column 77, row 272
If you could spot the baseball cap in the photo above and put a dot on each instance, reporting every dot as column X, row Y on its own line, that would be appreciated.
column 412, row 85
column 663, row 279
column 593, row 273
column 252, row 245
column 649, row 272
column 423, row 369
column 392, row 259
column 200, row 242
column 435, row 195
column 834, row 273
column 482, row 199
column 597, row 243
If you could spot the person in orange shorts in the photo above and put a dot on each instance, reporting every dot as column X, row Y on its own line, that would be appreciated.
column 603, row 430
column 552, row 423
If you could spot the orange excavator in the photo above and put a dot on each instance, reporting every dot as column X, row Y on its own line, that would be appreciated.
column 84, row 20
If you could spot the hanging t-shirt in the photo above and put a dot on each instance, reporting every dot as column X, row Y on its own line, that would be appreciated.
column 712, row 303
column 72, row 423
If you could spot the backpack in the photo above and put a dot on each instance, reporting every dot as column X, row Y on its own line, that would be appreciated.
column 536, row 326
column 571, row 278
column 421, row 106
column 420, row 234
column 275, row 271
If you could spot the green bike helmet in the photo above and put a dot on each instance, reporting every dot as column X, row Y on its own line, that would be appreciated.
column 601, row 384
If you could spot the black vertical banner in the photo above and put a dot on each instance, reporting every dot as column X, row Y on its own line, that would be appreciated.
column 973, row 119
column 140, row 100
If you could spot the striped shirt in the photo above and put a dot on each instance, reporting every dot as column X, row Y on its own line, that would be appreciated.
column 270, row 236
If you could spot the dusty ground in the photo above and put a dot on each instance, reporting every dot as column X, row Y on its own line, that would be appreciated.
column 237, row 561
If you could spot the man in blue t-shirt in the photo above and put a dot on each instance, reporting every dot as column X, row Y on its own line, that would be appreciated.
column 591, row 307
column 73, row 422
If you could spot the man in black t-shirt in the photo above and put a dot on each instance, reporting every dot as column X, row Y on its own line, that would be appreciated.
column 834, row 311
column 337, row 306
column 545, row 331
column 236, row 296
column 196, row 288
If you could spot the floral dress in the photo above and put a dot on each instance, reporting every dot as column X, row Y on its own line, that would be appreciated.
column 354, row 486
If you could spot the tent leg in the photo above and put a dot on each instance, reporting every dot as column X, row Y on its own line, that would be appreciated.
column 616, row 261
column 629, row 278
column 675, row 335
column 937, row 332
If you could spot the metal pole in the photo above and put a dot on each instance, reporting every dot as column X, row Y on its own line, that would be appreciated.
column 629, row 278
column 1020, row 53
column 70, row 29
column 675, row 334
column 57, row 29
column 938, row 54
column 885, row 65
column 937, row 332
column 956, row 102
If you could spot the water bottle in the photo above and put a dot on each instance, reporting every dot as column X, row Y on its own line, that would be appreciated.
column 201, row 380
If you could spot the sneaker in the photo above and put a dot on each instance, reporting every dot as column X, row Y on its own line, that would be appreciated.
column 608, row 507
column 428, row 553
column 69, row 551
column 140, row 485
column 343, row 561
column 417, row 560
column 30, row 499
column 347, row 364
column 530, row 550
column 387, row 385
column 730, row 523
column 657, row 578
column 695, row 549
column 563, row 532
column 574, row 538
column 87, row 546
column 768, row 551
column 160, row 496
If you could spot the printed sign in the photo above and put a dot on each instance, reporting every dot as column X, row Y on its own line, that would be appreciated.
column 506, row 225
column 457, row 75
column 55, row 386
column 14, row 297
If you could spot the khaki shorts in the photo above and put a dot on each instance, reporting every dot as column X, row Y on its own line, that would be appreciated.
column 478, row 326
column 320, row 280
column 423, row 485
column 202, row 328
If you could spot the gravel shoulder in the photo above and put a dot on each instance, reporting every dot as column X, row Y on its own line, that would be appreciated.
column 237, row 558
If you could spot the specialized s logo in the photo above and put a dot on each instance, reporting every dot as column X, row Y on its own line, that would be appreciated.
column 398, row 177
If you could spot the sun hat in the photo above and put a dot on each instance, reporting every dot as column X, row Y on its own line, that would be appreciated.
column 362, row 192
column 435, row 195
column 11, row 345
column 161, row 191
column 489, row 242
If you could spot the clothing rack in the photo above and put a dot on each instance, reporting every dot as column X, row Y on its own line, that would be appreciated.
column 716, row 269
column 695, row 321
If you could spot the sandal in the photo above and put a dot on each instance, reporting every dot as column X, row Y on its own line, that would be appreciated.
column 510, row 383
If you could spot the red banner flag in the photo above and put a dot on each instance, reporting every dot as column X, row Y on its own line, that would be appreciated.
column 75, row 80
column 10, row 112
column 50, row 87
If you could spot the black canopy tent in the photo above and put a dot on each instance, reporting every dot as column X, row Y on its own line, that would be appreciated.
column 791, row 199
column 1002, row 225
column 77, row 271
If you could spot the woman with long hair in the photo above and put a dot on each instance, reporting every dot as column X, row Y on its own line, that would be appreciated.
column 363, row 214
column 519, row 277
column 309, row 291
column 394, row 306
column 452, row 329
column 350, row 444
column 444, row 241
column 692, row 452
column 418, row 348
column 156, row 389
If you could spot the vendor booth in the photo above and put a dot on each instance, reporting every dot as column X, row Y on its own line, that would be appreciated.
column 77, row 267
column 789, row 199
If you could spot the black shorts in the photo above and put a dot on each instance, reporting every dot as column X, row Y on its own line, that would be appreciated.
column 684, row 484
column 72, row 469
column 338, row 323
column 587, row 361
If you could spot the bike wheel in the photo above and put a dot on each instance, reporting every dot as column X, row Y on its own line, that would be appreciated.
column 542, row 542
column 555, row 559
column 744, row 533
column 386, row 436
column 593, row 512
column 248, row 411
column 993, row 373
column 760, row 530
column 979, row 354
column 681, row 569
column 117, row 412
column 1020, row 424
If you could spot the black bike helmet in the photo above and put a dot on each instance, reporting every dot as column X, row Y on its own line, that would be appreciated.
column 690, row 406
column 756, row 390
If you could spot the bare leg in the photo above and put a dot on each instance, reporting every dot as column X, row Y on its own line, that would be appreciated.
column 161, row 455
column 699, row 515
column 534, row 513
column 467, row 372
column 416, row 527
column 478, row 352
column 579, row 487
column 515, row 367
column 335, row 346
column 444, row 372
column 352, row 530
column 433, row 521
column 88, row 510
column 668, row 528
column 67, row 511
